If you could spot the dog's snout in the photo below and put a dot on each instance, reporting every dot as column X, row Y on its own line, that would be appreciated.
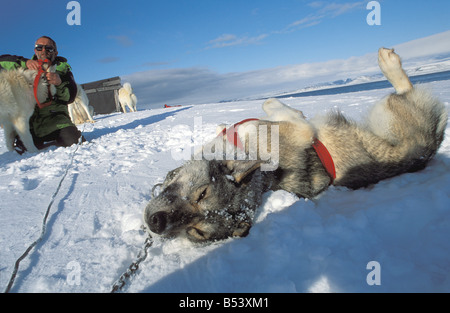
column 158, row 222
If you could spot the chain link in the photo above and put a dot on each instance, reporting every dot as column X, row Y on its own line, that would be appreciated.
column 133, row 268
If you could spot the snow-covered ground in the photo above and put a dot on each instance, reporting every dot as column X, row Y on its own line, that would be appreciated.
column 296, row 245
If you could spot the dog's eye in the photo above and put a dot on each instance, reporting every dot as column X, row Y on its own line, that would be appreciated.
column 203, row 193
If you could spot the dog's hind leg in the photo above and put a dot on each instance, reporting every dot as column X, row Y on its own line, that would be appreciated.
column 405, row 127
column 86, row 109
column 123, row 107
column 22, row 127
column 70, row 109
column 134, row 101
column 391, row 66
column 130, row 103
column 130, row 106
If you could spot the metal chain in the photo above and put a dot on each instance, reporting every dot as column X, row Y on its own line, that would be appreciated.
column 142, row 255
column 133, row 268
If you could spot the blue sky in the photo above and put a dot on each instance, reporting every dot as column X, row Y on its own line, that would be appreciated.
column 119, row 38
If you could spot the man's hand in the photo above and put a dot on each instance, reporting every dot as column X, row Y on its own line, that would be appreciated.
column 54, row 79
column 33, row 65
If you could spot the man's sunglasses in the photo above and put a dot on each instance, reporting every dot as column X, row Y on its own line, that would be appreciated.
column 47, row 48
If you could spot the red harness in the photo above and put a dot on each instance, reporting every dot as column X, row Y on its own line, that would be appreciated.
column 232, row 134
column 322, row 152
column 36, row 83
column 325, row 158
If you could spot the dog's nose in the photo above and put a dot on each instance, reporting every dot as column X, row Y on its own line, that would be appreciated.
column 158, row 222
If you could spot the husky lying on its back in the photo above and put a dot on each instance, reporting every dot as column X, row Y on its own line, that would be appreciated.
column 17, row 103
column 211, row 199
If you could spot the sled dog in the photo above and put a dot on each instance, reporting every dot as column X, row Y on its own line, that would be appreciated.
column 17, row 103
column 127, row 98
column 214, row 199
column 79, row 110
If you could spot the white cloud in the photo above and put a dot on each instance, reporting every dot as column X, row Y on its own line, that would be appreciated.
column 157, row 64
column 323, row 11
column 336, row 9
column 308, row 21
column 122, row 40
column 107, row 60
column 227, row 40
column 200, row 85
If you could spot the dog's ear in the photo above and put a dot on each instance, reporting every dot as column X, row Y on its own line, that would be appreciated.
column 241, row 169
column 170, row 176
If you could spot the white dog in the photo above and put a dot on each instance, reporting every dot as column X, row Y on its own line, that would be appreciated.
column 79, row 109
column 127, row 98
column 17, row 103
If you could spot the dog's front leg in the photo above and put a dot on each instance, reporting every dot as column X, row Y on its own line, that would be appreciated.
column 10, row 134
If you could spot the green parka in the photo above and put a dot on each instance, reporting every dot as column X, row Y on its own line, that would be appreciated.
column 55, row 116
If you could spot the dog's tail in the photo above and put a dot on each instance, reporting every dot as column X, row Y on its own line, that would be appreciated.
column 127, row 87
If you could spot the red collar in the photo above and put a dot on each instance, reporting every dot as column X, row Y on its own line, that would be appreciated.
column 321, row 150
column 325, row 158
column 36, row 83
column 232, row 134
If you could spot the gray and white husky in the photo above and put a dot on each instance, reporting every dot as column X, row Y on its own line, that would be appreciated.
column 216, row 198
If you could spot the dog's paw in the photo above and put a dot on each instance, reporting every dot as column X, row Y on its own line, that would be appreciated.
column 278, row 111
column 388, row 60
column 272, row 105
